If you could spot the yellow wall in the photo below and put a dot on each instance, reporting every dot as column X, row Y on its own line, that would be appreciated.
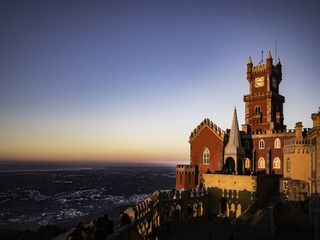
column 240, row 186
column 300, row 165
column 233, row 182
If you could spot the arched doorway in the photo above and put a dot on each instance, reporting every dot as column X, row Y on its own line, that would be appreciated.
column 230, row 166
column 240, row 166
column 223, row 206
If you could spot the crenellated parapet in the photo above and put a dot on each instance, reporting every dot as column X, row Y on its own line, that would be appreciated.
column 296, row 142
column 184, row 169
column 262, row 95
column 261, row 68
column 179, row 207
column 207, row 122
column 294, row 145
column 271, row 133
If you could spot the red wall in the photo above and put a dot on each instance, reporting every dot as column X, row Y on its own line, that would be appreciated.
column 186, row 181
column 275, row 152
column 206, row 138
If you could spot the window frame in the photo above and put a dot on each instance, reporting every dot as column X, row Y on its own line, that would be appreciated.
column 261, row 163
column 288, row 165
column 247, row 163
column 261, row 144
column 275, row 161
column 205, row 158
column 246, row 144
column 277, row 143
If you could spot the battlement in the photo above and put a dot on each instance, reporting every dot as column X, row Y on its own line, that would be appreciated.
column 211, row 125
column 249, row 97
column 293, row 142
column 272, row 133
column 186, row 169
column 262, row 95
column 171, row 204
column 261, row 68
column 296, row 145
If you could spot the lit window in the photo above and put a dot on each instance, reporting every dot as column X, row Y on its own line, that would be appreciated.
column 276, row 163
column 277, row 143
column 261, row 144
column 288, row 165
column 247, row 163
column 261, row 163
column 205, row 156
column 246, row 144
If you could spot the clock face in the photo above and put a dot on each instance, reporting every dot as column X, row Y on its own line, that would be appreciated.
column 274, row 82
column 259, row 82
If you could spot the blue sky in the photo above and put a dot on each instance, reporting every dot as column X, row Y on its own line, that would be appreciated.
column 129, row 80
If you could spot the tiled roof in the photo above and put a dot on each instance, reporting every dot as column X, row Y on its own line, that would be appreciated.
column 234, row 145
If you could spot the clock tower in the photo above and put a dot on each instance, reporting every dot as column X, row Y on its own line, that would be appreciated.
column 264, row 104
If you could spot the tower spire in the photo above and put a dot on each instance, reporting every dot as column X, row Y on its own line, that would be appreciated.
column 234, row 145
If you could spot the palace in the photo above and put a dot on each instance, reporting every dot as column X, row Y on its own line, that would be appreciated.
column 263, row 179
column 243, row 170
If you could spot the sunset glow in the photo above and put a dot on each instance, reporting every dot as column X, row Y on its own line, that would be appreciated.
column 128, row 81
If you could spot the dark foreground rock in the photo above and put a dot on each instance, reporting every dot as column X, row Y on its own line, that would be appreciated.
column 43, row 233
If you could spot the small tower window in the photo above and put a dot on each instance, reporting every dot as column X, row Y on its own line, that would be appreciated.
column 261, row 163
column 257, row 110
column 205, row 156
column 288, row 165
column 261, row 144
column 277, row 143
column 276, row 163
column 246, row 144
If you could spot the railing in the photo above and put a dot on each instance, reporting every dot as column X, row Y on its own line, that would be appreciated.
column 294, row 141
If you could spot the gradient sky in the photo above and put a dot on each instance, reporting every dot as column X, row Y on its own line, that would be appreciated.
column 129, row 80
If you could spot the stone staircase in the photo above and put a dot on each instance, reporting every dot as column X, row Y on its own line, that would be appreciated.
column 258, row 222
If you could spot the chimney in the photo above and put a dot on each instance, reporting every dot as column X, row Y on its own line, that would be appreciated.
column 316, row 119
column 298, row 128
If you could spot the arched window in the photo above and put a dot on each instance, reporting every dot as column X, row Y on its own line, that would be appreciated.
column 246, row 144
column 261, row 163
column 276, row 163
column 261, row 144
column 288, row 165
column 277, row 143
column 257, row 110
column 205, row 156
column 247, row 163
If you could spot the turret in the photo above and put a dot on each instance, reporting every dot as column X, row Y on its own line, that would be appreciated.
column 298, row 128
column 279, row 67
column 269, row 63
column 249, row 70
column 316, row 119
